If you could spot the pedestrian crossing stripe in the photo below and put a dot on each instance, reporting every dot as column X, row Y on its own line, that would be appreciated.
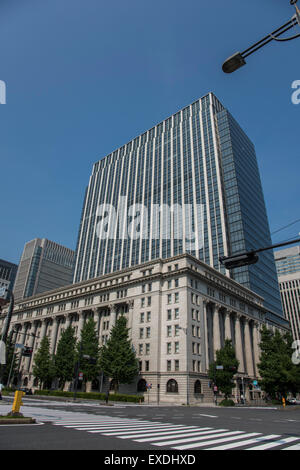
column 178, row 436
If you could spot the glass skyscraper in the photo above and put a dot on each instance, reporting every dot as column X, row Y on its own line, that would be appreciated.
column 189, row 184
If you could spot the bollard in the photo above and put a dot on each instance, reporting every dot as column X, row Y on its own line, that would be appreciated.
column 17, row 401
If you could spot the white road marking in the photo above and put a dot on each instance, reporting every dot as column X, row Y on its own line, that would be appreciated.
column 216, row 441
column 275, row 444
column 194, row 438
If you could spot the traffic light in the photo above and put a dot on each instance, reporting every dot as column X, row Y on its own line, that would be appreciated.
column 236, row 261
column 27, row 351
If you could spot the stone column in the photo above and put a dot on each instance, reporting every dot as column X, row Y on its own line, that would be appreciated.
column 248, row 349
column 256, row 348
column 113, row 315
column 22, row 333
column 130, row 316
column 43, row 329
column 32, row 340
column 80, row 323
column 204, row 339
column 68, row 321
column 216, row 329
column 239, row 344
column 227, row 325
column 55, row 322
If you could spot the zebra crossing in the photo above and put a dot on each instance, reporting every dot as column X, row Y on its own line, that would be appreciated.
column 179, row 436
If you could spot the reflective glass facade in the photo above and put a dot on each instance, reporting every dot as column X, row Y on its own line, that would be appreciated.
column 199, row 157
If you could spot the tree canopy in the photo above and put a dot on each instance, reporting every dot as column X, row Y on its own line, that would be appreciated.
column 117, row 358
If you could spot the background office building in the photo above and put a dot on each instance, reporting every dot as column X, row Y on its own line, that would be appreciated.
column 8, row 273
column 199, row 157
column 288, row 270
column 44, row 265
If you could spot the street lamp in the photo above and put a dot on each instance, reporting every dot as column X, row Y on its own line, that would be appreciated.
column 249, row 257
column 237, row 60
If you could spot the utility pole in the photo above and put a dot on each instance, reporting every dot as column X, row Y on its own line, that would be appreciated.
column 5, row 330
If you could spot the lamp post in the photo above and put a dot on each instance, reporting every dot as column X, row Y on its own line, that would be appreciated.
column 237, row 60
column 5, row 332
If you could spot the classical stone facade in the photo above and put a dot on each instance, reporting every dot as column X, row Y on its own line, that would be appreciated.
column 179, row 312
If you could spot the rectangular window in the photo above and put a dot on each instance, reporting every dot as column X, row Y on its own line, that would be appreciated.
column 147, row 351
column 142, row 317
column 148, row 316
column 169, row 331
column 146, row 365
column 141, row 333
column 176, row 347
column 176, row 313
column 141, row 347
column 169, row 366
column 169, row 314
column 176, row 297
column 148, row 332
column 176, row 364
column 169, row 298
column 176, row 330
column 169, row 348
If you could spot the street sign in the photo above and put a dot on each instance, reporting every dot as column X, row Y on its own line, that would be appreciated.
column 219, row 367
column 27, row 351
column 18, row 345
column 80, row 376
column 215, row 388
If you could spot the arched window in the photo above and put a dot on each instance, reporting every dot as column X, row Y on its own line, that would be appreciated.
column 142, row 385
column 197, row 387
column 172, row 386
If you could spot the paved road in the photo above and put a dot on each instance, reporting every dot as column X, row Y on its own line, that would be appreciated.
column 140, row 427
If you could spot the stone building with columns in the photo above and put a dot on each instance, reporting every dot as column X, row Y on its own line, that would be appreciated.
column 179, row 312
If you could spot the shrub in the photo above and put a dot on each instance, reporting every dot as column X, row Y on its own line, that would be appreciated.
column 92, row 395
column 227, row 402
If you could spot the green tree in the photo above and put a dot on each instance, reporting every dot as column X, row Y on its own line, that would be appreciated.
column 117, row 357
column 64, row 359
column 88, row 346
column 223, row 378
column 279, row 376
column 43, row 368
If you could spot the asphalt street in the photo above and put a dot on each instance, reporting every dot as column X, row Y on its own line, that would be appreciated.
column 87, row 426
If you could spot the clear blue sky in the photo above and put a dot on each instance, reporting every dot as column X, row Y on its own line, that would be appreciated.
column 84, row 77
